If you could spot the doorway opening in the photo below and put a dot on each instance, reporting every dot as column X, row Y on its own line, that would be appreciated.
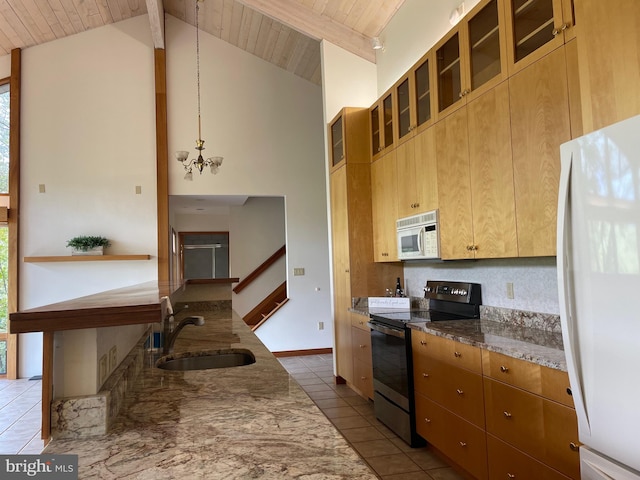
column 204, row 255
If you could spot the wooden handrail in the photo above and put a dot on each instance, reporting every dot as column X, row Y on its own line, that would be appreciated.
column 258, row 271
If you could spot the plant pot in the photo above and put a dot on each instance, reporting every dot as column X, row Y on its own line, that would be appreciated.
column 91, row 251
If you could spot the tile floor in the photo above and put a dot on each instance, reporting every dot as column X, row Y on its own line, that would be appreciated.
column 388, row 456
column 20, row 416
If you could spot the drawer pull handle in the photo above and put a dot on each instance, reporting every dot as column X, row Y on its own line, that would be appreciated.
column 504, row 369
column 457, row 354
column 574, row 447
column 427, row 420
column 422, row 342
column 510, row 475
column 362, row 346
column 425, row 375
column 463, row 444
column 506, row 414
column 459, row 392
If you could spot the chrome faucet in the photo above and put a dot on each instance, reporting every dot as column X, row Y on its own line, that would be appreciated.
column 171, row 331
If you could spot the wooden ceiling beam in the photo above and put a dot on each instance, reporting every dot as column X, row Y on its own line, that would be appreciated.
column 155, row 9
column 306, row 21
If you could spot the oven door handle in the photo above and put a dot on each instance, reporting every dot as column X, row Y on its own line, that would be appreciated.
column 386, row 330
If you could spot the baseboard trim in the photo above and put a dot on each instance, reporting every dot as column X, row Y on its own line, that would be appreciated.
column 298, row 353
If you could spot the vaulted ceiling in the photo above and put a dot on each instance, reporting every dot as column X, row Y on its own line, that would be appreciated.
column 286, row 33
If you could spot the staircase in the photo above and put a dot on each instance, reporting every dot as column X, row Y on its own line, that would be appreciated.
column 272, row 302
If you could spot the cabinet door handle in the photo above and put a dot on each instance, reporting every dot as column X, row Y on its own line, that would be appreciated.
column 422, row 342
column 425, row 375
column 459, row 392
column 564, row 26
column 363, row 346
column 510, row 475
column 506, row 414
column 427, row 420
column 504, row 369
column 555, row 32
column 574, row 447
column 457, row 354
column 463, row 444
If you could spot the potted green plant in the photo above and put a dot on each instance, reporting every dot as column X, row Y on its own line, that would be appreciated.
column 88, row 245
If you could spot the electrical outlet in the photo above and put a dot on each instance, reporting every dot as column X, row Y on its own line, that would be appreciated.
column 320, row 325
column 113, row 358
column 102, row 369
column 298, row 271
column 510, row 290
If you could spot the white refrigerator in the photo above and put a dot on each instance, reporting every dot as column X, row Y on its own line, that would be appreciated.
column 599, row 294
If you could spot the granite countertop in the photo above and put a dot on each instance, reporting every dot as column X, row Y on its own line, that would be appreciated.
column 251, row 421
column 536, row 345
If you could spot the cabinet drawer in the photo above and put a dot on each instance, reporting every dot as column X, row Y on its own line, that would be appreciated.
column 363, row 378
column 510, row 463
column 561, row 438
column 519, row 373
column 515, row 416
column 359, row 321
column 458, row 439
column 555, row 386
column 456, row 389
column 454, row 353
column 361, row 342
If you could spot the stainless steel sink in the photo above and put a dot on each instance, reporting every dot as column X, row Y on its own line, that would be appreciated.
column 208, row 360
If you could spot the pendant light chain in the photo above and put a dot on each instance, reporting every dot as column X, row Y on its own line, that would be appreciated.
column 198, row 68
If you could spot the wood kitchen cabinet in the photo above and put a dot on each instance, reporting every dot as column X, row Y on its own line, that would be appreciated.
column 413, row 93
column 540, row 123
column 609, row 58
column 381, row 124
column 471, row 58
column 354, row 272
column 535, row 28
column 529, row 407
column 475, row 179
column 384, row 205
column 362, row 361
column 417, row 175
column 449, row 399
column 347, row 134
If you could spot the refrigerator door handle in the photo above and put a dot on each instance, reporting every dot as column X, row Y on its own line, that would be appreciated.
column 569, row 332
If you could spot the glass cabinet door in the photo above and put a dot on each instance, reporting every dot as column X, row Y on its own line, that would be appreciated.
column 484, row 45
column 449, row 74
column 337, row 142
column 533, row 26
column 376, row 145
column 404, row 108
column 423, row 93
column 387, row 111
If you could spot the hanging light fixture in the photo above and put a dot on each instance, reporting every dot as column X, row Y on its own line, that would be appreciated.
column 183, row 156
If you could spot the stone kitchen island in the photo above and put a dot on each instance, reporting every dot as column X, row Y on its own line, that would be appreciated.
column 251, row 421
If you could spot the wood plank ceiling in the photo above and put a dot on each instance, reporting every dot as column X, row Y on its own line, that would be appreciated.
column 286, row 33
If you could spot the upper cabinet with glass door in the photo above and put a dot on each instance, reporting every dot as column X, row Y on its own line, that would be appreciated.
column 413, row 94
column 381, row 121
column 348, row 137
column 535, row 28
column 472, row 58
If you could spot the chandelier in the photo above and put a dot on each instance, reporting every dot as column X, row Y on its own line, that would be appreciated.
column 183, row 156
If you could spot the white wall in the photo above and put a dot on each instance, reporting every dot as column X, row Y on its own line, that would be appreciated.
column 88, row 136
column 414, row 29
column 268, row 125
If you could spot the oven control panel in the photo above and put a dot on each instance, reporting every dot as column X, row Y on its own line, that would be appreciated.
column 461, row 292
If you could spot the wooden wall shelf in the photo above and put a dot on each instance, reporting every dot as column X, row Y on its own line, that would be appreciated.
column 85, row 258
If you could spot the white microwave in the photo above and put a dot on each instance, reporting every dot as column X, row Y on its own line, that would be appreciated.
column 418, row 236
